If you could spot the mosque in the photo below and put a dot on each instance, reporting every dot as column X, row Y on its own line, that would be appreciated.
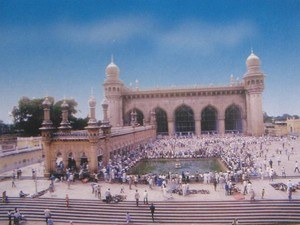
column 132, row 116
column 236, row 107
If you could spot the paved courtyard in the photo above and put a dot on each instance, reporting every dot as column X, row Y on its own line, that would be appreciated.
column 79, row 190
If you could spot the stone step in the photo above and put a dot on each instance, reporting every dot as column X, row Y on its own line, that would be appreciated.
column 213, row 212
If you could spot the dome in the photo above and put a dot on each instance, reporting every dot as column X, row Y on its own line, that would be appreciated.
column 64, row 105
column 112, row 70
column 252, row 60
column 104, row 102
column 46, row 102
column 92, row 102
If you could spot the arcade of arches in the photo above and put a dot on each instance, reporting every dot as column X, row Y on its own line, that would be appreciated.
column 185, row 120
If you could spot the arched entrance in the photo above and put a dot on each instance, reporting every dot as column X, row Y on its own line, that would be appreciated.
column 209, row 120
column 139, row 117
column 161, row 121
column 184, row 120
column 71, row 161
column 233, row 119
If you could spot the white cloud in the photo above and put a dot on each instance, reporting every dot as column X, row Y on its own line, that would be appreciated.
column 105, row 31
column 205, row 38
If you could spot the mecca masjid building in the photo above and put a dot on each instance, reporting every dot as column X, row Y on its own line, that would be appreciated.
column 236, row 107
column 132, row 116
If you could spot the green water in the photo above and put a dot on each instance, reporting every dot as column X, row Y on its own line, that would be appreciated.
column 164, row 166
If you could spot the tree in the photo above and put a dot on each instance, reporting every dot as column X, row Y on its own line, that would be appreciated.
column 28, row 115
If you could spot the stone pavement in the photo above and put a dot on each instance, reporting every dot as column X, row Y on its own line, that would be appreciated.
column 79, row 190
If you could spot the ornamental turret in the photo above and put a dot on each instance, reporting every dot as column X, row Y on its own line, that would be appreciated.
column 65, row 124
column 46, row 132
column 254, row 85
column 105, row 126
column 47, row 127
column 93, row 127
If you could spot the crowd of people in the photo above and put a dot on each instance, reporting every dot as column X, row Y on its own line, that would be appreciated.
column 244, row 157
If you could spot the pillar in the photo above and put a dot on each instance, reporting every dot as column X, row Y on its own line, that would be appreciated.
column 221, row 125
column 171, row 126
column 198, row 127
column 93, row 163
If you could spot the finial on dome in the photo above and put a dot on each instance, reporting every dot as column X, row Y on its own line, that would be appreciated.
column 92, row 91
column 112, row 58
column 251, row 50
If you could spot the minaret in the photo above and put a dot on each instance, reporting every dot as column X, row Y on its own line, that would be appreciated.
column 113, row 87
column 46, row 132
column 254, row 85
column 65, row 124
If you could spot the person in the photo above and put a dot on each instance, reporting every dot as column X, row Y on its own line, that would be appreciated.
column 128, row 218
column 22, row 194
column 50, row 222
column 4, row 197
column 51, row 187
column 17, row 216
column 235, row 221
column 122, row 189
column 252, row 195
column 145, row 197
column 152, row 210
column 296, row 167
column 107, row 195
column 13, row 184
column 283, row 174
column 33, row 174
column 67, row 201
column 9, row 215
column 270, row 163
column 47, row 214
column 19, row 173
column 290, row 190
column 99, row 191
column 262, row 193
column 137, row 197
column 215, row 183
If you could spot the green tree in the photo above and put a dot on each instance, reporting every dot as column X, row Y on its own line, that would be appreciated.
column 28, row 115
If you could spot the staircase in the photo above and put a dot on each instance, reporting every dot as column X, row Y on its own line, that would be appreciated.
column 91, row 212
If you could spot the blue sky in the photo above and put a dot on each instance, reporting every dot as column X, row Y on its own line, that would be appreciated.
column 61, row 48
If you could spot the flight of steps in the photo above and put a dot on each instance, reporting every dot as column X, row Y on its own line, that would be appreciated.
column 172, row 212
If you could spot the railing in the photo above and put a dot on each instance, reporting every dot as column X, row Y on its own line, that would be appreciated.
column 19, row 150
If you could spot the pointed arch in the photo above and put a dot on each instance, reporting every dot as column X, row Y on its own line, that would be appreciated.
column 139, row 117
column 161, row 121
column 233, row 119
column 184, row 120
column 209, row 117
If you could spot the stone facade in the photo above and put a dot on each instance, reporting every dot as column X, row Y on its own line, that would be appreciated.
column 93, row 145
column 236, row 107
